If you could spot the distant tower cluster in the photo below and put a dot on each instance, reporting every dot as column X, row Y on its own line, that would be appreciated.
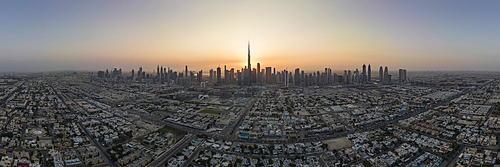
column 249, row 76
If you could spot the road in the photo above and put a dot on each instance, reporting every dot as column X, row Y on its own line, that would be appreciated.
column 231, row 127
column 175, row 149
column 192, row 156
column 102, row 149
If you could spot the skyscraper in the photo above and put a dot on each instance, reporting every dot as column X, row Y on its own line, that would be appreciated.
column 258, row 73
column 357, row 79
column 386, row 75
column 381, row 75
column 249, row 67
column 200, row 76
column 239, row 77
column 269, row 75
column 186, row 72
column 402, row 75
column 330, row 79
column 231, row 76
column 211, row 75
column 162, row 75
column 139, row 73
column 297, row 77
column 369, row 73
column 349, row 77
column 345, row 76
column 226, row 75
column 363, row 74
column 218, row 75
column 326, row 72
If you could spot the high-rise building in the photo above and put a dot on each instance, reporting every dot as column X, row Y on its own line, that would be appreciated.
column 191, row 77
column 226, row 75
column 262, row 72
column 174, row 75
column 402, row 75
column 297, row 77
column 357, row 79
column 211, row 75
column 302, row 78
column 200, row 76
column 363, row 74
column 330, row 79
column 186, row 72
column 219, row 75
column 269, row 75
column 133, row 73
column 317, row 78
column 231, row 76
column 349, row 77
column 249, row 67
column 139, row 73
column 326, row 72
column 386, row 75
column 239, row 77
column 171, row 75
column 369, row 73
column 274, row 75
column 381, row 75
column 162, row 75
column 345, row 76
column 158, row 73
column 100, row 74
column 254, row 75
column 335, row 80
column 258, row 73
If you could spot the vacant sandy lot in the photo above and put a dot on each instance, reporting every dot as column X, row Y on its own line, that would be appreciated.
column 147, row 125
column 302, row 112
column 337, row 143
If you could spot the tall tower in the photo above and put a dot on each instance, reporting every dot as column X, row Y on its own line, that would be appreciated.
column 369, row 73
column 386, row 75
column 258, row 73
column 363, row 75
column 249, row 67
column 218, row 75
column 158, row 73
column 162, row 75
column 186, row 71
column 381, row 75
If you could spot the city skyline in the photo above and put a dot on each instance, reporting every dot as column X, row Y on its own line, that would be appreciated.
column 91, row 35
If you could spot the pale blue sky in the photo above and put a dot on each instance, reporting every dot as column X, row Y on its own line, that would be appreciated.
column 312, row 35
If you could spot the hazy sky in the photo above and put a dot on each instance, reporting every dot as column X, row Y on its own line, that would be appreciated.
column 95, row 35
